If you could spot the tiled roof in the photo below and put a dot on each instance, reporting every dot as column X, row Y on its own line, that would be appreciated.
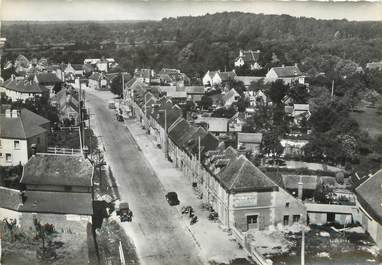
column 240, row 175
column 181, row 132
column 248, row 79
column 214, row 124
column 225, row 76
column 169, row 71
column 49, row 169
column 250, row 56
column 26, row 125
column 230, row 94
column 369, row 194
column 287, row 71
column 95, row 76
column 48, row 78
column 57, row 202
column 250, row 137
column 291, row 181
column 195, row 90
column 24, row 86
column 301, row 107
column 10, row 198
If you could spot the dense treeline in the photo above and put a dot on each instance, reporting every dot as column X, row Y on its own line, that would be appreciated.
column 196, row 44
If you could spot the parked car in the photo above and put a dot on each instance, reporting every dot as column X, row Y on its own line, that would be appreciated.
column 172, row 198
column 124, row 212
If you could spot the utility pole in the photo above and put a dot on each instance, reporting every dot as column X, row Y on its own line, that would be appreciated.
column 332, row 94
column 302, row 245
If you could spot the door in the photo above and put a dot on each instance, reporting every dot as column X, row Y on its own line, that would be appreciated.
column 331, row 217
column 252, row 222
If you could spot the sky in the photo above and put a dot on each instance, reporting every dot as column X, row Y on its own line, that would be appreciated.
column 158, row 9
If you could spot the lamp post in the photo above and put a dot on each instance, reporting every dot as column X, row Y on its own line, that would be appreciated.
column 165, row 133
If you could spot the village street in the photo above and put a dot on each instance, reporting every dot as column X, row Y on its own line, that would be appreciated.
column 156, row 230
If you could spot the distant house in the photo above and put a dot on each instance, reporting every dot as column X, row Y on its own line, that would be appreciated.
column 306, row 183
column 214, row 125
column 50, row 81
column 293, row 147
column 144, row 75
column 230, row 97
column 249, row 142
column 222, row 77
column 247, row 80
column 72, row 71
column 98, row 81
column 236, row 122
column 101, row 65
column 249, row 58
column 67, row 105
column 20, row 133
column 23, row 89
column 195, row 93
column 299, row 112
column 374, row 66
column 172, row 77
column 369, row 195
column 288, row 74
column 208, row 78
column 174, row 92
column 256, row 97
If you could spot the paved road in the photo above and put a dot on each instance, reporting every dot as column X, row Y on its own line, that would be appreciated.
column 157, row 230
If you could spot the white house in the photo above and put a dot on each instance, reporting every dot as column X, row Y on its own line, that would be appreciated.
column 20, row 132
column 98, row 81
column 208, row 78
column 288, row 74
column 221, row 77
column 230, row 97
column 22, row 89
column 249, row 58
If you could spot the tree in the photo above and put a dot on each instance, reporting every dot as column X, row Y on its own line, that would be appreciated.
column 277, row 91
column 271, row 144
column 346, row 68
column 116, row 85
column 299, row 93
column 206, row 102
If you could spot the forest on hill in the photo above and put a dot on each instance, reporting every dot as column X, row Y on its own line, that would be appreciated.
column 196, row 44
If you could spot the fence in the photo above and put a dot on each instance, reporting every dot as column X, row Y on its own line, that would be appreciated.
column 64, row 151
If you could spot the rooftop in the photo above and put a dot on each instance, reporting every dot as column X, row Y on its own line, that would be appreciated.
column 50, row 78
column 24, row 126
column 10, row 198
column 50, row 169
column 287, row 71
column 24, row 86
column 57, row 202
column 369, row 194
column 250, row 137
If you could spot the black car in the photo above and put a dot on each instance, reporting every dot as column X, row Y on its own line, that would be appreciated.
column 124, row 212
column 172, row 198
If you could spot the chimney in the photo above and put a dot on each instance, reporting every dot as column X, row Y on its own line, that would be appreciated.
column 300, row 188
column 296, row 65
column 283, row 66
column 8, row 113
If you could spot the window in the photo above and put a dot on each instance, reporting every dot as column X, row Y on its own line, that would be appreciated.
column 8, row 157
column 1, row 155
column 252, row 222
column 287, row 205
column 68, row 188
column 296, row 218
column 38, row 140
column 16, row 144
column 0, row 144
column 286, row 220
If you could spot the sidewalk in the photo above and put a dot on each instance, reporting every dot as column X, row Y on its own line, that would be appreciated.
column 214, row 244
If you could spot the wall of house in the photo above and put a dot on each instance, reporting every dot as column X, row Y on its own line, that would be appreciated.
column 216, row 80
column 285, row 204
column 76, row 224
column 207, row 79
column 18, row 155
column 59, row 188
column 93, row 84
column 372, row 227
column 14, row 95
column 41, row 142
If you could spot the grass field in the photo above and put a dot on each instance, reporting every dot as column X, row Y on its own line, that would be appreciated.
column 370, row 119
